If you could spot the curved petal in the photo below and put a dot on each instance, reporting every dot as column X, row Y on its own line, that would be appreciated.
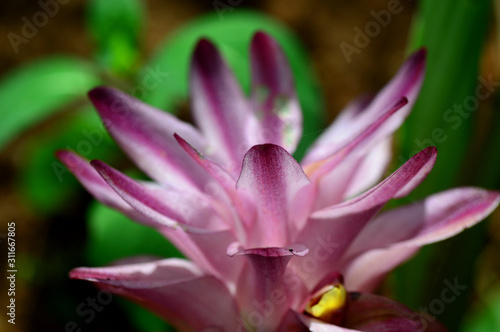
column 93, row 182
column 407, row 83
column 245, row 210
column 273, row 94
column 273, row 178
column 219, row 107
column 208, row 251
column 175, row 289
column 292, row 323
column 370, row 169
column 357, row 147
column 397, row 185
column 333, row 175
column 376, row 263
column 396, row 235
column 363, row 112
column 262, row 289
column 334, row 136
column 162, row 208
column 368, row 312
column 330, row 231
column 145, row 134
column 352, row 176
column 225, row 179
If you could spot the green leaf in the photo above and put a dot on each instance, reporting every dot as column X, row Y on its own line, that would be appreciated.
column 144, row 319
column 35, row 91
column 112, row 236
column 45, row 182
column 232, row 36
column 453, row 31
column 486, row 317
column 116, row 26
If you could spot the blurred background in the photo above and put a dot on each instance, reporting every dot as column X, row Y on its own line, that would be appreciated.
column 52, row 52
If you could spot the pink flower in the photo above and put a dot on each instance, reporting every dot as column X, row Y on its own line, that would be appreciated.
column 268, row 239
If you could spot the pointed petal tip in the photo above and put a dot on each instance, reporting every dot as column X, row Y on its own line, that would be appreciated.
column 204, row 43
column 426, row 159
column 98, row 164
column 260, row 37
column 417, row 61
column 205, row 53
column 82, row 273
column 63, row 155
column 420, row 55
column 261, row 34
column 73, row 274
column 398, row 105
column 73, row 161
column 104, row 170
column 429, row 152
column 101, row 93
column 182, row 142
column 109, row 102
column 495, row 199
column 191, row 151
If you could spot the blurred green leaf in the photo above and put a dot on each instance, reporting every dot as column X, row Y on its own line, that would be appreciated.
column 112, row 236
column 35, row 91
column 454, row 34
column 144, row 319
column 232, row 36
column 116, row 26
column 485, row 318
column 453, row 31
column 489, row 174
column 45, row 182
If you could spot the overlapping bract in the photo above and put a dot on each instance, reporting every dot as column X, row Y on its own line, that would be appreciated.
column 261, row 231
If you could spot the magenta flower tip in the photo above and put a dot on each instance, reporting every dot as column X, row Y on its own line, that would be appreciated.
column 205, row 56
column 100, row 93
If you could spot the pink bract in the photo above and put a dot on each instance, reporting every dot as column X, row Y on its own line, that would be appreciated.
column 262, row 232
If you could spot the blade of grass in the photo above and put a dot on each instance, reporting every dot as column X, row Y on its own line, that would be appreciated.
column 453, row 33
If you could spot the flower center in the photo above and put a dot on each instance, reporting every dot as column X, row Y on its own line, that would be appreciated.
column 327, row 305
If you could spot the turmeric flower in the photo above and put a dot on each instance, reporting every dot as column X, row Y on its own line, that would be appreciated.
column 271, row 244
